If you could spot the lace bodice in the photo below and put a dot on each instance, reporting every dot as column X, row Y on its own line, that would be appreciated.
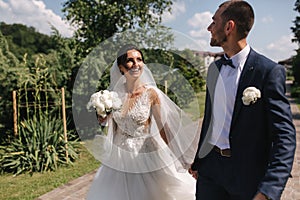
column 133, row 122
column 133, row 131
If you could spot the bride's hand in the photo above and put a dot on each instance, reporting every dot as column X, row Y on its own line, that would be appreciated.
column 101, row 120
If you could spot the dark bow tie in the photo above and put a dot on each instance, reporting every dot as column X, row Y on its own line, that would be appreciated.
column 225, row 61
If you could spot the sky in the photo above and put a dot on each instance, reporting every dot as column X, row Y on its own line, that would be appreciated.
column 271, row 34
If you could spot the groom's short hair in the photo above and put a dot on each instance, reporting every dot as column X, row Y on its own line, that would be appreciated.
column 241, row 12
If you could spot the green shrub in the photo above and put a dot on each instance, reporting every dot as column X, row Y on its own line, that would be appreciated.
column 295, row 91
column 39, row 147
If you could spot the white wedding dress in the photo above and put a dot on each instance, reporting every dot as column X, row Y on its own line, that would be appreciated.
column 144, row 181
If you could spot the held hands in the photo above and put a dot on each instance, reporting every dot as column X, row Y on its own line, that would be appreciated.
column 193, row 173
column 260, row 196
column 102, row 120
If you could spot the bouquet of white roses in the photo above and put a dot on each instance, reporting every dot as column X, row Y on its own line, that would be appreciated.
column 104, row 102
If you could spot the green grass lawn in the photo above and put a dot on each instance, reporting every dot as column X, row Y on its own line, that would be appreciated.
column 298, row 103
column 196, row 107
column 295, row 92
column 26, row 187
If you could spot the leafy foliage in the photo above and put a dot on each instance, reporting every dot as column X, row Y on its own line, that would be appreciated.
column 25, row 40
column 295, row 91
column 39, row 147
column 296, row 28
column 296, row 68
column 183, row 73
column 97, row 20
column 8, row 80
column 49, row 72
column 296, row 31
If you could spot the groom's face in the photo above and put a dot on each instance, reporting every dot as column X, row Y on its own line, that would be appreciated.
column 216, row 28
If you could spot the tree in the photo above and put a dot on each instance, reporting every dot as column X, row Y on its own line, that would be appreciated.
column 8, row 80
column 296, row 28
column 97, row 20
column 25, row 40
column 296, row 31
column 180, row 69
column 17, row 68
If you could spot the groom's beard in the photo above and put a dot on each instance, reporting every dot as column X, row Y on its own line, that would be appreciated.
column 215, row 42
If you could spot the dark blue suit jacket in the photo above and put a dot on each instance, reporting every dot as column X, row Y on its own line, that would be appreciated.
column 262, row 135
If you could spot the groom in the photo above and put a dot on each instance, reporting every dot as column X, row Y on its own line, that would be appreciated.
column 247, row 141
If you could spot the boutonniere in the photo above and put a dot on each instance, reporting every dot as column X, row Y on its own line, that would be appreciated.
column 250, row 95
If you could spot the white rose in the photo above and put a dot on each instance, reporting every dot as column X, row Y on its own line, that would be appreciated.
column 104, row 97
column 114, row 95
column 117, row 104
column 93, row 101
column 108, row 103
column 100, row 107
column 250, row 95
column 106, row 94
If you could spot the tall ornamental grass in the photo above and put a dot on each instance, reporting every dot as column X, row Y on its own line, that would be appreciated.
column 39, row 147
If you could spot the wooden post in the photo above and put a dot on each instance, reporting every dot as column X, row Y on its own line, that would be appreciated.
column 166, row 87
column 15, row 117
column 64, row 121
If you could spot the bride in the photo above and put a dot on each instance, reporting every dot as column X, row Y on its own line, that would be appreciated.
column 150, row 141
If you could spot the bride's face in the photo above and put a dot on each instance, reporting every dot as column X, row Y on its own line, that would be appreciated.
column 134, row 64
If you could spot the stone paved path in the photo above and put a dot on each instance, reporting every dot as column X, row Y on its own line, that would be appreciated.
column 74, row 190
column 77, row 189
column 292, row 189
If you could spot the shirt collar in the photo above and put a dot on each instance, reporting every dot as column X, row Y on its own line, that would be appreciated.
column 239, row 59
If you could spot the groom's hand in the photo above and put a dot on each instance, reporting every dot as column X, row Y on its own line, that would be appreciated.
column 260, row 196
column 193, row 173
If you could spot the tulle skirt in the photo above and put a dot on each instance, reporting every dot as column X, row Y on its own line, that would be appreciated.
column 163, row 184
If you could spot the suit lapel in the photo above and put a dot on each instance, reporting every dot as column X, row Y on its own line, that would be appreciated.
column 246, row 77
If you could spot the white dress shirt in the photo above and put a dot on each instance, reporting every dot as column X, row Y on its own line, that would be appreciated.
column 224, row 99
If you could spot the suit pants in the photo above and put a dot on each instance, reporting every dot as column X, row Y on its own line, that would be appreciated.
column 217, row 180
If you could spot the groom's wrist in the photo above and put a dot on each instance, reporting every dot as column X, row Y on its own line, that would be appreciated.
column 266, row 197
column 261, row 196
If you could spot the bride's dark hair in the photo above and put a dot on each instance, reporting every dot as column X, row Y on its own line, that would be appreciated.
column 122, row 53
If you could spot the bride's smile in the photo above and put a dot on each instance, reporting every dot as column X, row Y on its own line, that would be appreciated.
column 135, row 71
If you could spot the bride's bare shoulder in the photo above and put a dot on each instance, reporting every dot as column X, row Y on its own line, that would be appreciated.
column 153, row 95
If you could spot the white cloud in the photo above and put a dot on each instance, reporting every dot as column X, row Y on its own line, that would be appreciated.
column 281, row 49
column 33, row 13
column 201, row 20
column 199, row 33
column 183, row 41
column 199, row 23
column 267, row 20
column 178, row 8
